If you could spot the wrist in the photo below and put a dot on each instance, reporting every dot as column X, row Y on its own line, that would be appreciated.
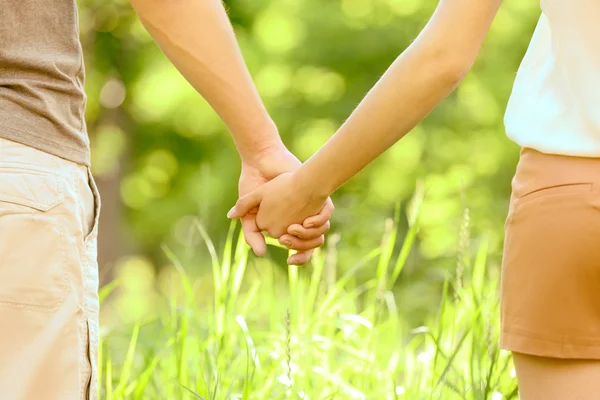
column 255, row 141
column 314, row 185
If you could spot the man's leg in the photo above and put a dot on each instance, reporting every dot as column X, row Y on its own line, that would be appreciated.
column 48, row 277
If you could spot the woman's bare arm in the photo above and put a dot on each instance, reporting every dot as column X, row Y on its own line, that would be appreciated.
column 418, row 80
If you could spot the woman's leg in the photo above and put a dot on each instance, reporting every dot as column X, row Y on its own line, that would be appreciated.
column 542, row 378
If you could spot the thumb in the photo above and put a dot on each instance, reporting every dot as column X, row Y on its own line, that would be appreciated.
column 245, row 204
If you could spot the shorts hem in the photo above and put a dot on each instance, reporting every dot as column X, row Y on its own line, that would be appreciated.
column 535, row 346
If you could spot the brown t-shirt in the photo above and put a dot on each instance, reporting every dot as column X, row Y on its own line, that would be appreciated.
column 42, row 100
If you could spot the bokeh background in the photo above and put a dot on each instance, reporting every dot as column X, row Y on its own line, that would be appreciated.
column 163, row 159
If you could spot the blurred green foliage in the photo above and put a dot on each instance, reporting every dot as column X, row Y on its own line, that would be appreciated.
column 312, row 61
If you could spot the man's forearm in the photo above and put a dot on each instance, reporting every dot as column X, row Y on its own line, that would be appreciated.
column 198, row 38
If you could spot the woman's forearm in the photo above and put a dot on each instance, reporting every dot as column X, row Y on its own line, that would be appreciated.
column 419, row 79
column 406, row 93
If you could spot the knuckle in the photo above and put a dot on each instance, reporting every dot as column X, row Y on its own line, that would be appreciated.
column 297, row 245
column 300, row 261
column 274, row 233
column 286, row 237
column 247, row 228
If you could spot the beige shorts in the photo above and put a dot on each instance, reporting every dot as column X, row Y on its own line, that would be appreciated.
column 551, row 268
column 49, row 210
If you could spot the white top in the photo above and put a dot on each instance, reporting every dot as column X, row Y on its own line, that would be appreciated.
column 555, row 103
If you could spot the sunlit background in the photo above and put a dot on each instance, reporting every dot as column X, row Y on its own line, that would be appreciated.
column 163, row 159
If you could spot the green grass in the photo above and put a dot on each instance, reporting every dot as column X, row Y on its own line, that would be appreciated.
column 318, row 338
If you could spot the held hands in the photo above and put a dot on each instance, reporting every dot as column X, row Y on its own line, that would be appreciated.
column 266, row 177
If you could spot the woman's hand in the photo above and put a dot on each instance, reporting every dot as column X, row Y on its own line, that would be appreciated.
column 285, row 201
column 260, row 169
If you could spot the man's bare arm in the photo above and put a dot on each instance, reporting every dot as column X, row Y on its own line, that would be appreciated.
column 199, row 40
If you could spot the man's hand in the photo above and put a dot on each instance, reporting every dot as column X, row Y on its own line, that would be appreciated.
column 259, row 169
column 198, row 38
column 284, row 202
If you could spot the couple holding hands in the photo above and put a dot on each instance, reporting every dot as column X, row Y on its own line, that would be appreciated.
column 49, row 202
